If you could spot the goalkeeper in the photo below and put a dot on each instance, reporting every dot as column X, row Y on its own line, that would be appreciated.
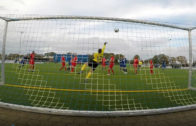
column 97, row 58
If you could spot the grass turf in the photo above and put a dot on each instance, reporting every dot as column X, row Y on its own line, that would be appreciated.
column 102, row 92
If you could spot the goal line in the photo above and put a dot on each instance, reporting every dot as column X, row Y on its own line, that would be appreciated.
column 99, row 91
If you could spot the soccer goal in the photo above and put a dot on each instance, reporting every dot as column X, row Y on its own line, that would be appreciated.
column 96, row 65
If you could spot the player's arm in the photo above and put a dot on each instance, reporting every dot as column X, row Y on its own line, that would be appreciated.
column 103, row 49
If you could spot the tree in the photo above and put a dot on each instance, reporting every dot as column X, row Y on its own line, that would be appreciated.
column 108, row 55
column 50, row 54
column 172, row 60
column 163, row 58
column 136, row 56
column 182, row 60
column 117, row 57
column 159, row 59
column 155, row 59
column 12, row 56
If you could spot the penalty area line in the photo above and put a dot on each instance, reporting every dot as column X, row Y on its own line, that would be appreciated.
column 97, row 91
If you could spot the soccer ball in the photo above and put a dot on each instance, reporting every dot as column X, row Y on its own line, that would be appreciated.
column 116, row 30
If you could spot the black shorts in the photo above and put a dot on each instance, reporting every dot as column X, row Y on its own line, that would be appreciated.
column 93, row 64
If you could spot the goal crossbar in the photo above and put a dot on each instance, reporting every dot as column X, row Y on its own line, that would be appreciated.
column 98, row 18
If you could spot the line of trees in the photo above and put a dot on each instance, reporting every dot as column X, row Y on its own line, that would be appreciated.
column 157, row 59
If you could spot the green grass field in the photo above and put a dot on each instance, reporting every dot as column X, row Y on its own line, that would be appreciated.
column 49, row 87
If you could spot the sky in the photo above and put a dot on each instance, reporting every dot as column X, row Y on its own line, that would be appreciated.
column 172, row 11
column 178, row 12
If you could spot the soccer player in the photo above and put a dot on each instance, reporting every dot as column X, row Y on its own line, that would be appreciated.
column 111, row 65
column 69, row 62
column 94, row 62
column 139, row 65
column 103, row 63
column 135, row 64
column 21, row 62
column 74, row 63
column 123, row 62
column 163, row 65
column 63, row 63
column 151, row 67
column 32, row 61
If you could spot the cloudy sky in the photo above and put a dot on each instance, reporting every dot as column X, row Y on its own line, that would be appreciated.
column 178, row 12
column 173, row 11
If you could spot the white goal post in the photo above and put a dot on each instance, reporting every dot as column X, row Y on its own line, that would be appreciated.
column 49, row 89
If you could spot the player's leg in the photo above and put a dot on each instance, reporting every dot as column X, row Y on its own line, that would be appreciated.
column 112, row 68
column 112, row 71
column 125, row 70
column 73, row 67
column 151, row 70
column 62, row 66
column 29, row 65
column 33, row 65
column 135, row 68
column 84, row 66
column 89, row 74
column 93, row 68
column 69, row 66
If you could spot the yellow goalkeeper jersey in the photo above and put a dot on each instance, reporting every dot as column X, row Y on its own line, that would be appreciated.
column 97, row 57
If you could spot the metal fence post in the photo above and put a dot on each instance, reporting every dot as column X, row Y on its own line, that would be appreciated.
column 3, row 54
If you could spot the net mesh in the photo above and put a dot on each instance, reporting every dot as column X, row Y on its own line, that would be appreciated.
column 158, row 80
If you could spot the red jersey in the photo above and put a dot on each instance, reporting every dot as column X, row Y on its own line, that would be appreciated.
column 112, row 60
column 151, row 64
column 32, row 56
column 62, row 59
column 74, row 61
column 103, row 61
column 136, row 61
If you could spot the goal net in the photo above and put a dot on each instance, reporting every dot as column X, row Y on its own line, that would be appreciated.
column 142, row 66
